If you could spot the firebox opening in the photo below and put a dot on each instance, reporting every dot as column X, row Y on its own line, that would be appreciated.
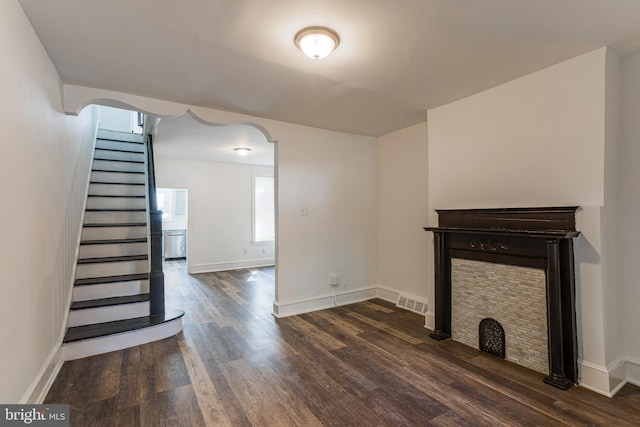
column 492, row 339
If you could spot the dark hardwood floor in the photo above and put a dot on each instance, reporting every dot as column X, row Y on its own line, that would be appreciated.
column 366, row 364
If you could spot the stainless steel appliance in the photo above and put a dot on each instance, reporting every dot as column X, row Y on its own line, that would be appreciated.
column 175, row 244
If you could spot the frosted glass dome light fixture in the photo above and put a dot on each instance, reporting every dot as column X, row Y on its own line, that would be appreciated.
column 242, row 151
column 317, row 42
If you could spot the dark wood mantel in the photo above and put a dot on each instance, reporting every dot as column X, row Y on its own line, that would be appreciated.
column 531, row 237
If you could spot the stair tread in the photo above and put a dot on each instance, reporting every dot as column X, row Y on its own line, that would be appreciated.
column 120, row 150
column 108, row 302
column 115, row 210
column 96, row 330
column 117, row 140
column 109, row 135
column 113, row 259
column 113, row 241
column 118, row 160
column 111, row 279
column 126, row 196
column 115, row 171
column 115, row 224
column 116, row 183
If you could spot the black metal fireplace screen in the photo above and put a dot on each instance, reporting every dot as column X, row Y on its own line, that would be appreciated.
column 491, row 335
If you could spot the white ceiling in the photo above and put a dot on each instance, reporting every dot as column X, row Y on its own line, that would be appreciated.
column 396, row 58
column 185, row 138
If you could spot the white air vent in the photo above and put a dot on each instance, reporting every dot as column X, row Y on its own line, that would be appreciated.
column 420, row 307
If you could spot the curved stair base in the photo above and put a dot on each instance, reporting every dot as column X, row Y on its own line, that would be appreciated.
column 89, row 340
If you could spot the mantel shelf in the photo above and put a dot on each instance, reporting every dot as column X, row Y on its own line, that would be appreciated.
column 542, row 234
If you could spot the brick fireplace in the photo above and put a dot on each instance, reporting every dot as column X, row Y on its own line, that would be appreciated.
column 511, row 269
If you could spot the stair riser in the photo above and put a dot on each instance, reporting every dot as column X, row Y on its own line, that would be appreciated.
column 118, row 155
column 118, row 166
column 115, row 203
column 108, row 314
column 114, row 217
column 110, row 233
column 118, row 145
column 117, row 190
column 118, row 177
column 104, row 134
column 109, row 290
column 112, row 250
column 106, row 269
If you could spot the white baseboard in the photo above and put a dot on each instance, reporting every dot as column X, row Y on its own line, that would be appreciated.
column 322, row 303
column 391, row 295
column 230, row 265
column 388, row 294
column 39, row 387
column 633, row 370
column 430, row 320
column 605, row 380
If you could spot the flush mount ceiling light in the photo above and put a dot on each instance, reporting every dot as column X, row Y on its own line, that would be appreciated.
column 242, row 151
column 317, row 42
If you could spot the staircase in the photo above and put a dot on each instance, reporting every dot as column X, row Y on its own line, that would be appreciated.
column 110, row 307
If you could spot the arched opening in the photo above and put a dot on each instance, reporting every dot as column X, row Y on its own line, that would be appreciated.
column 228, row 217
column 227, row 194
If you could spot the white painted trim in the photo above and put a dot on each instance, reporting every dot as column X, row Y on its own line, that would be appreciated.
column 304, row 306
column 605, row 380
column 109, row 290
column 322, row 303
column 108, row 313
column 617, row 371
column 594, row 377
column 75, row 98
column 100, row 345
column 355, row 295
column 632, row 370
column 231, row 265
column 387, row 294
column 430, row 320
column 39, row 387
column 391, row 295
column 254, row 175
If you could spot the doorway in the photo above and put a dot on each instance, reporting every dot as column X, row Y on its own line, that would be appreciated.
column 173, row 204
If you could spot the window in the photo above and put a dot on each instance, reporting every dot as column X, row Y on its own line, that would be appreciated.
column 264, row 230
column 164, row 202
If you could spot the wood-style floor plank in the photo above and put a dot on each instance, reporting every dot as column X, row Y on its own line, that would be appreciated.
column 366, row 364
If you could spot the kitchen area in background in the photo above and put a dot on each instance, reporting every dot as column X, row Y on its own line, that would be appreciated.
column 173, row 204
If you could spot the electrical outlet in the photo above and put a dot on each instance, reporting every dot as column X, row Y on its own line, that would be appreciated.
column 245, row 251
column 304, row 211
column 333, row 280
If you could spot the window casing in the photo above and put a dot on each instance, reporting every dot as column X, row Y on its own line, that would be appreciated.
column 263, row 204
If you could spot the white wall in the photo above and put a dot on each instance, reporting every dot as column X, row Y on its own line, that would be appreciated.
column 219, row 213
column 629, row 209
column 610, row 217
column 332, row 174
column 44, row 171
column 401, row 181
column 536, row 141
column 542, row 125
column 115, row 119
